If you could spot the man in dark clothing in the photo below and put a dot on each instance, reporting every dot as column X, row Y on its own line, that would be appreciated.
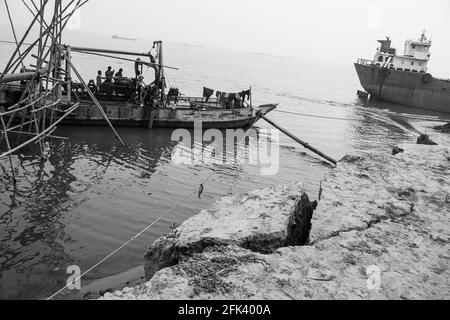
column 109, row 74
column 119, row 73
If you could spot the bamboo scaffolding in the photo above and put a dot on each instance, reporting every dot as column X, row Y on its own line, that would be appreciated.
column 88, row 90
column 11, row 151
column 38, row 107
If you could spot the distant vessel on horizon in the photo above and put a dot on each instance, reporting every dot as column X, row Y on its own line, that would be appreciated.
column 404, row 79
column 116, row 36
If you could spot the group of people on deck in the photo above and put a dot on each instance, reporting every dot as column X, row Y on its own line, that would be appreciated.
column 104, row 83
column 110, row 75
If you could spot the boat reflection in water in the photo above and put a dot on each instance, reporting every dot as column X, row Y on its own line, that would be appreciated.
column 76, row 199
column 89, row 196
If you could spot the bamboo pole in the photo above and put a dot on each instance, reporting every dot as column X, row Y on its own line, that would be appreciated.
column 33, row 134
column 68, row 74
column 8, row 65
column 303, row 143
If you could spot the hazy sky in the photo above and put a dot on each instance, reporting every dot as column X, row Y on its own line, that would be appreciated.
column 324, row 30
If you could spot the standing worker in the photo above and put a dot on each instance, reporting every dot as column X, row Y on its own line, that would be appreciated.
column 99, row 80
column 109, row 74
column 140, row 85
column 138, row 66
column 119, row 73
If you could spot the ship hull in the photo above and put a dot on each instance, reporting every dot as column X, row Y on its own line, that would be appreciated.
column 408, row 88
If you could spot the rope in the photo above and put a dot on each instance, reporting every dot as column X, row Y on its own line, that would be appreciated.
column 150, row 225
column 125, row 244
column 314, row 116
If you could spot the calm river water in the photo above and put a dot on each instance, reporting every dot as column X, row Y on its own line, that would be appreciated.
column 91, row 195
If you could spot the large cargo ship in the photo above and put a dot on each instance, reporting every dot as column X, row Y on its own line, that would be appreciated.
column 404, row 79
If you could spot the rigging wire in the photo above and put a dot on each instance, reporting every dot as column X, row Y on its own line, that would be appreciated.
column 314, row 116
column 125, row 244
column 411, row 117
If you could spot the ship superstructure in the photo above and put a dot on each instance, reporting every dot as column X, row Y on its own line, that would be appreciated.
column 414, row 59
column 404, row 79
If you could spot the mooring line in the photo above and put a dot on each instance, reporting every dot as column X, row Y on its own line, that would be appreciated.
column 147, row 227
column 314, row 116
column 124, row 245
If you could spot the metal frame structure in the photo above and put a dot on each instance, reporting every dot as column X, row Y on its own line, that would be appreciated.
column 39, row 110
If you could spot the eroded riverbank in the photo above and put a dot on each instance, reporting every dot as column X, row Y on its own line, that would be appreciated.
column 379, row 215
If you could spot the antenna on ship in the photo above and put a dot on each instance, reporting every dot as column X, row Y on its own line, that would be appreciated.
column 423, row 37
column 43, row 90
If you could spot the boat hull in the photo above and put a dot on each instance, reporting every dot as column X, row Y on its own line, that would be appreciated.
column 131, row 115
column 408, row 88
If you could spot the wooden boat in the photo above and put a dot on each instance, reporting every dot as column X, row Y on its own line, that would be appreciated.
column 124, row 105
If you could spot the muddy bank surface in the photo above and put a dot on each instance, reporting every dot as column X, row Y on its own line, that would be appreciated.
column 261, row 221
column 378, row 214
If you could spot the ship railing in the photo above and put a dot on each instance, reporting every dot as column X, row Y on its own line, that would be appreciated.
column 365, row 62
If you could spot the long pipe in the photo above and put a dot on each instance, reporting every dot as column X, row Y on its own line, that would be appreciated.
column 303, row 143
column 125, row 59
column 12, row 77
column 111, row 51
column 163, row 78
